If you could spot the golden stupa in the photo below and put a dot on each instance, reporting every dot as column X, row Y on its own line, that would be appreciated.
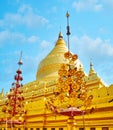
column 49, row 66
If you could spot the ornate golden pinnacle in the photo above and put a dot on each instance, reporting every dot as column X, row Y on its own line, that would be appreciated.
column 67, row 14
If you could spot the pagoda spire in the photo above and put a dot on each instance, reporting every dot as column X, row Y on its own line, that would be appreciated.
column 60, row 35
column 60, row 39
column 91, row 71
column 2, row 93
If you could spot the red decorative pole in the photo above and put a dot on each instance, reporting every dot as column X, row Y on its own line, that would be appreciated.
column 15, row 97
column 14, row 103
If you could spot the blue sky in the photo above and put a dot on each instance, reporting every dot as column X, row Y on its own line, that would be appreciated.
column 32, row 26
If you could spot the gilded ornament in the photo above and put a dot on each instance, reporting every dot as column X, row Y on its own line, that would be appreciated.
column 67, row 55
column 60, row 80
column 64, row 66
column 61, row 97
column 65, row 72
column 72, row 72
column 83, row 96
column 74, row 57
column 71, row 89
column 65, row 88
column 90, row 97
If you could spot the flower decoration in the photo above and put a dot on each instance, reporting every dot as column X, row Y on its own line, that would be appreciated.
column 67, row 55
column 71, row 89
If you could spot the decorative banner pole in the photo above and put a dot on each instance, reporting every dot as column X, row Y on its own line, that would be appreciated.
column 14, row 103
column 70, row 97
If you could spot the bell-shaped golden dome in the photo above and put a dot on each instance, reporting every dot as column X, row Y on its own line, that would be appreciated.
column 49, row 66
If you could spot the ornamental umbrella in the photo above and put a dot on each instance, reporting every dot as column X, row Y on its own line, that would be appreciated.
column 71, row 111
column 14, row 122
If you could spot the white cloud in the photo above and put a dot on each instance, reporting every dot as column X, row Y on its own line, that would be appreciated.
column 33, row 39
column 82, row 5
column 54, row 9
column 7, row 37
column 4, row 36
column 87, row 45
column 101, row 52
column 103, row 30
column 108, row 2
column 44, row 44
column 25, row 8
column 24, row 16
